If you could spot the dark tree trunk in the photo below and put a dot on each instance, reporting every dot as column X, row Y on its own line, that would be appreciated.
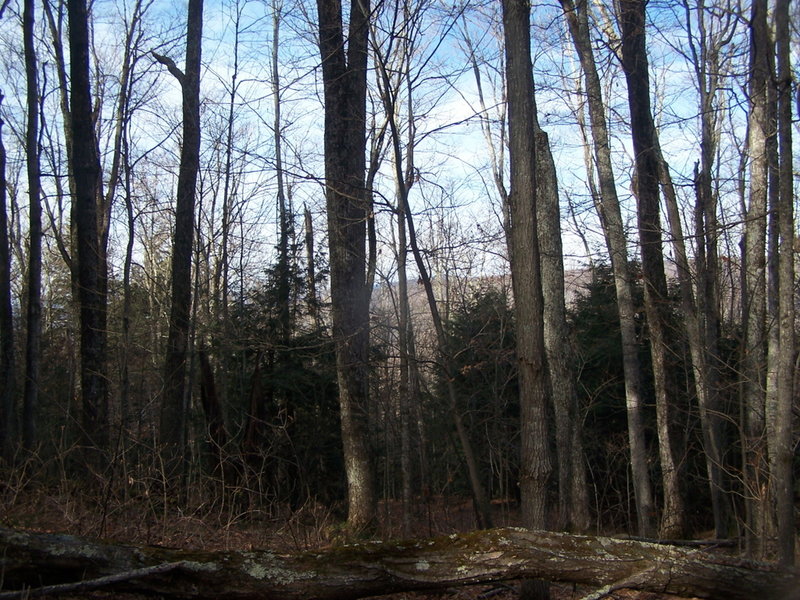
column 312, row 304
column 374, row 568
column 634, row 58
column 30, row 399
column 285, row 213
column 344, row 73
column 526, row 276
column 8, row 417
column 175, row 368
column 90, row 255
column 525, row 270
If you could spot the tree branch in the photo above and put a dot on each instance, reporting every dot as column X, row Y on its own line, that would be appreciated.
column 171, row 66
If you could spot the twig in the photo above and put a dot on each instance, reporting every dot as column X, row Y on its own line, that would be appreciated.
column 717, row 543
column 91, row 584
column 630, row 581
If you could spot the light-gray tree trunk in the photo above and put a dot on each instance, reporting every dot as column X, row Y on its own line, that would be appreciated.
column 375, row 568
column 780, row 416
column 608, row 208
column 753, row 394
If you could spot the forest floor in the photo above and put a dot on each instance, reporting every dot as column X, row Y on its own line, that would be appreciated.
column 280, row 530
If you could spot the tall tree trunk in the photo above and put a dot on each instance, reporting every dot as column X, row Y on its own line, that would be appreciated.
column 534, row 386
column 34, row 307
column 285, row 216
column 573, row 498
column 344, row 73
column 754, row 289
column 172, row 429
column 8, row 422
column 780, row 416
column 86, row 172
column 608, row 208
column 635, row 63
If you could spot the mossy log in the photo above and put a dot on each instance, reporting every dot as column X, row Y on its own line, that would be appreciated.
column 68, row 564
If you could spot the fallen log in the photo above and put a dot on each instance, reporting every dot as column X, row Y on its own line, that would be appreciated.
column 44, row 563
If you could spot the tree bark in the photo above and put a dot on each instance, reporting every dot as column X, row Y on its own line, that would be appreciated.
column 344, row 73
column 376, row 568
column 175, row 365
column 30, row 399
column 90, row 255
column 8, row 424
column 573, row 495
column 780, row 433
column 646, row 189
column 535, row 466
column 754, row 290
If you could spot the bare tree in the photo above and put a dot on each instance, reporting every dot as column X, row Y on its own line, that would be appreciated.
column 534, row 385
column 705, row 49
column 90, row 263
column 172, row 431
column 573, row 505
column 8, row 425
column 344, row 74
column 34, row 306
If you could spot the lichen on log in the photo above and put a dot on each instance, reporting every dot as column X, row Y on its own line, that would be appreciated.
column 30, row 560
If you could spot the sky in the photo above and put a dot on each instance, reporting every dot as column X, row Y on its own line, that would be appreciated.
column 454, row 192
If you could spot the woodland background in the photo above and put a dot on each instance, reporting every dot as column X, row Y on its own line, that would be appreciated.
column 257, row 266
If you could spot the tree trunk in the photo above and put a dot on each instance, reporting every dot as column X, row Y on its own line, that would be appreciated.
column 312, row 304
column 172, row 436
column 375, row 568
column 344, row 73
column 91, row 286
column 634, row 58
column 8, row 420
column 754, row 290
column 34, row 284
column 526, row 277
column 780, row 432
column 573, row 497
column 608, row 208
column 285, row 216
